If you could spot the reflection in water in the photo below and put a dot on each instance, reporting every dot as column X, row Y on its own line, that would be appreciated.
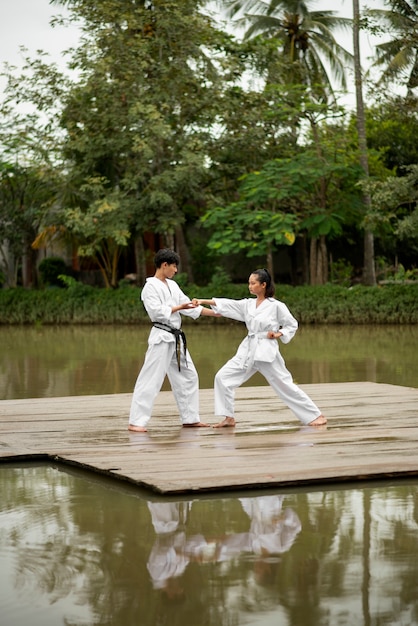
column 271, row 532
column 77, row 550
column 67, row 361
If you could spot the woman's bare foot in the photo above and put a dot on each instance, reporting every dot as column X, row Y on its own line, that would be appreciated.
column 319, row 421
column 228, row 421
column 196, row 425
column 137, row 429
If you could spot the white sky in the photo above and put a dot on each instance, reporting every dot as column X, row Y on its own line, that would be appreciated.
column 26, row 23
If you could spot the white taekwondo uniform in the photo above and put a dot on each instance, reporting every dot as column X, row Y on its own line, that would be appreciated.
column 273, row 530
column 161, row 357
column 258, row 353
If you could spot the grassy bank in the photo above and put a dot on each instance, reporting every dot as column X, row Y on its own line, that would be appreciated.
column 80, row 304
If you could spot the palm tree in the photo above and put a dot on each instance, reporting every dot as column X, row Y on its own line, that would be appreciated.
column 310, row 55
column 399, row 56
column 369, row 274
column 308, row 43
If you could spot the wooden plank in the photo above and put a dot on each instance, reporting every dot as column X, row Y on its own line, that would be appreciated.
column 372, row 432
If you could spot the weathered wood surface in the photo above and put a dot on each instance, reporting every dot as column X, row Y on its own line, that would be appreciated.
column 372, row 432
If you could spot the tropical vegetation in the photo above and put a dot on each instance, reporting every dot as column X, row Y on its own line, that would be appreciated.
column 81, row 304
column 218, row 131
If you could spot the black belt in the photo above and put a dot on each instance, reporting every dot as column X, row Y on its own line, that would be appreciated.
column 178, row 333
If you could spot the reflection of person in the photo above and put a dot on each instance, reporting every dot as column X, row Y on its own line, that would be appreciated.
column 168, row 560
column 272, row 529
column 266, row 319
column 167, row 351
column 172, row 550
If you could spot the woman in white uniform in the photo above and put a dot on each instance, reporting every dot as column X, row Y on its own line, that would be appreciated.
column 267, row 319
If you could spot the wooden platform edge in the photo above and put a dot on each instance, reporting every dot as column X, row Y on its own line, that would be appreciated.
column 268, row 450
column 336, row 479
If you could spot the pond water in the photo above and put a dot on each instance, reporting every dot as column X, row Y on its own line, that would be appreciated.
column 80, row 550
column 66, row 361
column 76, row 550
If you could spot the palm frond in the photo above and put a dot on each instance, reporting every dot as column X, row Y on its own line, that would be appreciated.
column 399, row 55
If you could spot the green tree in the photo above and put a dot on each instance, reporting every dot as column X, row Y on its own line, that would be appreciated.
column 399, row 56
column 279, row 202
column 30, row 166
column 256, row 224
column 305, row 38
column 307, row 59
column 255, row 126
column 369, row 273
column 148, row 95
column 100, row 231
column 395, row 207
column 316, row 113
column 23, row 192
column 392, row 128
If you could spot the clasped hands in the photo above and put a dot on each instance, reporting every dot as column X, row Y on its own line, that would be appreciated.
column 195, row 302
column 192, row 304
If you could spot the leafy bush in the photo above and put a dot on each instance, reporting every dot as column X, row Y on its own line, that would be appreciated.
column 341, row 272
column 329, row 304
column 50, row 270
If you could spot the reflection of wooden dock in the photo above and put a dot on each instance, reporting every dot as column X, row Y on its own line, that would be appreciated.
column 372, row 432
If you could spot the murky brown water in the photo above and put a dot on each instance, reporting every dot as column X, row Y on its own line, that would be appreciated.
column 77, row 550
column 44, row 362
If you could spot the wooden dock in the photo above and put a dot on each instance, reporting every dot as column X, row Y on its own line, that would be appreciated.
column 372, row 432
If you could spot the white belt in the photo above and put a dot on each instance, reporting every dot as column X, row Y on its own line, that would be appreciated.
column 252, row 346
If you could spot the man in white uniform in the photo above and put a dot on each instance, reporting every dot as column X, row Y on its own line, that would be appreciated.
column 167, row 351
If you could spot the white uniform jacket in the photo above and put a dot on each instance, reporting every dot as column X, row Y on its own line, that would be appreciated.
column 271, row 314
column 158, row 299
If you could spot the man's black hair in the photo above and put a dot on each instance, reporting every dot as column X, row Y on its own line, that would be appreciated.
column 166, row 256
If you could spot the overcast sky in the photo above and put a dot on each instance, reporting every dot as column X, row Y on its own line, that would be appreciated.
column 26, row 23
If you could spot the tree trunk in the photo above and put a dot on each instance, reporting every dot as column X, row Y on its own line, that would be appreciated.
column 10, row 266
column 313, row 260
column 321, row 255
column 324, row 259
column 269, row 261
column 140, row 260
column 28, row 266
column 169, row 238
column 183, row 251
column 318, row 261
column 305, row 260
column 369, row 274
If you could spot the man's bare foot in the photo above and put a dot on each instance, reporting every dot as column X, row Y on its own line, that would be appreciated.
column 196, row 425
column 137, row 429
column 319, row 421
column 228, row 421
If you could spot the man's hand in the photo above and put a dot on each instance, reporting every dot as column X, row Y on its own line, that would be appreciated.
column 188, row 305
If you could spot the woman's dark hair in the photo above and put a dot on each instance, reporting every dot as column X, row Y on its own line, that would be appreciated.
column 166, row 256
column 263, row 276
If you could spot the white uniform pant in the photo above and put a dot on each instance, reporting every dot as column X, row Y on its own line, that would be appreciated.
column 160, row 359
column 232, row 375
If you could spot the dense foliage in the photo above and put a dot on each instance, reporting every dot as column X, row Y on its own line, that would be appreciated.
column 166, row 129
column 80, row 304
